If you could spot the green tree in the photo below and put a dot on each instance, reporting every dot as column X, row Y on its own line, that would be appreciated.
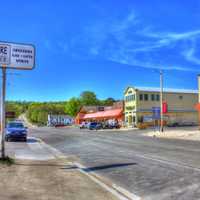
column 73, row 106
column 108, row 102
column 88, row 98
column 38, row 112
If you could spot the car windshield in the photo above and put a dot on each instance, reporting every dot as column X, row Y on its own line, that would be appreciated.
column 15, row 125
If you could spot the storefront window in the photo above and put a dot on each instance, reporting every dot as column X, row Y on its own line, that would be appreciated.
column 146, row 97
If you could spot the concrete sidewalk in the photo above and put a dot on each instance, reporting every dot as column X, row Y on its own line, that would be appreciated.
column 48, row 180
column 184, row 133
column 42, row 173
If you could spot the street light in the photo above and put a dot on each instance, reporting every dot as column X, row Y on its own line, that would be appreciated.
column 161, row 99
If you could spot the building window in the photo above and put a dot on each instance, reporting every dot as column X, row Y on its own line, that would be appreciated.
column 130, row 98
column 146, row 97
column 140, row 119
column 152, row 97
column 181, row 97
column 141, row 97
column 157, row 97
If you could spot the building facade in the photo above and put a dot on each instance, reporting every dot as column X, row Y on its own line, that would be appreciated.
column 101, row 113
column 139, row 104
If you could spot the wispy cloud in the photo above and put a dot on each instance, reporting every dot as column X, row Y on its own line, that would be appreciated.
column 124, row 24
column 127, row 60
column 129, row 41
column 190, row 53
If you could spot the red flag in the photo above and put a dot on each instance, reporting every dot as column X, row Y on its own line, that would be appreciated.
column 197, row 106
column 165, row 107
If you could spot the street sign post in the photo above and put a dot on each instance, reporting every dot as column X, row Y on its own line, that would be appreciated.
column 13, row 56
column 156, row 115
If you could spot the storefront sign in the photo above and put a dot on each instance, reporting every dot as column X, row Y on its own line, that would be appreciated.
column 147, row 119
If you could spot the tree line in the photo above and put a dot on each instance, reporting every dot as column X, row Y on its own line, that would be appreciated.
column 37, row 112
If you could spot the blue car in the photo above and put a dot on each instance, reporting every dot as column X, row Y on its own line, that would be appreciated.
column 95, row 126
column 16, row 131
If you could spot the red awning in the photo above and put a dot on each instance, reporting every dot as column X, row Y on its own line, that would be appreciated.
column 104, row 114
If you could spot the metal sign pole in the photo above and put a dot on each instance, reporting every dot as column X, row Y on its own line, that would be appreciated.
column 3, row 121
column 161, row 101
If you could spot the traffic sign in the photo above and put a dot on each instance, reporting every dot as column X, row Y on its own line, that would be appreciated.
column 156, row 112
column 4, row 54
column 10, row 114
column 17, row 56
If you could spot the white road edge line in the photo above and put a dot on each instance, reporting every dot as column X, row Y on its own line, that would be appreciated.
column 119, row 192
column 116, row 190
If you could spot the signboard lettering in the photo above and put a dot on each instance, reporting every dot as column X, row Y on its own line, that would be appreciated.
column 17, row 56
column 4, row 54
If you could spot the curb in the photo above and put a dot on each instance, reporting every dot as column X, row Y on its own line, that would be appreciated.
column 116, row 190
column 119, row 192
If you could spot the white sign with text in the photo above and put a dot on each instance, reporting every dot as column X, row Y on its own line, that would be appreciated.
column 17, row 56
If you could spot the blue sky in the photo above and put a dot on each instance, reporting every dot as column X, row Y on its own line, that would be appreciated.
column 103, row 46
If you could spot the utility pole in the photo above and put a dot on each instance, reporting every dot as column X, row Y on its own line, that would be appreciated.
column 161, row 101
column 199, row 99
column 3, row 121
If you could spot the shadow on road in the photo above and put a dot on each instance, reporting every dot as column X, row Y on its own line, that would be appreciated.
column 32, row 140
column 102, row 167
column 97, row 168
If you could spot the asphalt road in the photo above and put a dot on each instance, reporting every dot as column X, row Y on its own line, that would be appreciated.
column 152, row 168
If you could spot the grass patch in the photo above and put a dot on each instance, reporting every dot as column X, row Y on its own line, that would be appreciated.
column 7, row 161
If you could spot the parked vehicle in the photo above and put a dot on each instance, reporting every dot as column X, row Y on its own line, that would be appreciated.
column 15, row 131
column 84, row 125
column 95, row 126
column 111, row 124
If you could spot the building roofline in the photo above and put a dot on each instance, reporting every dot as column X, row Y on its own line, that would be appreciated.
column 165, row 90
column 128, row 88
